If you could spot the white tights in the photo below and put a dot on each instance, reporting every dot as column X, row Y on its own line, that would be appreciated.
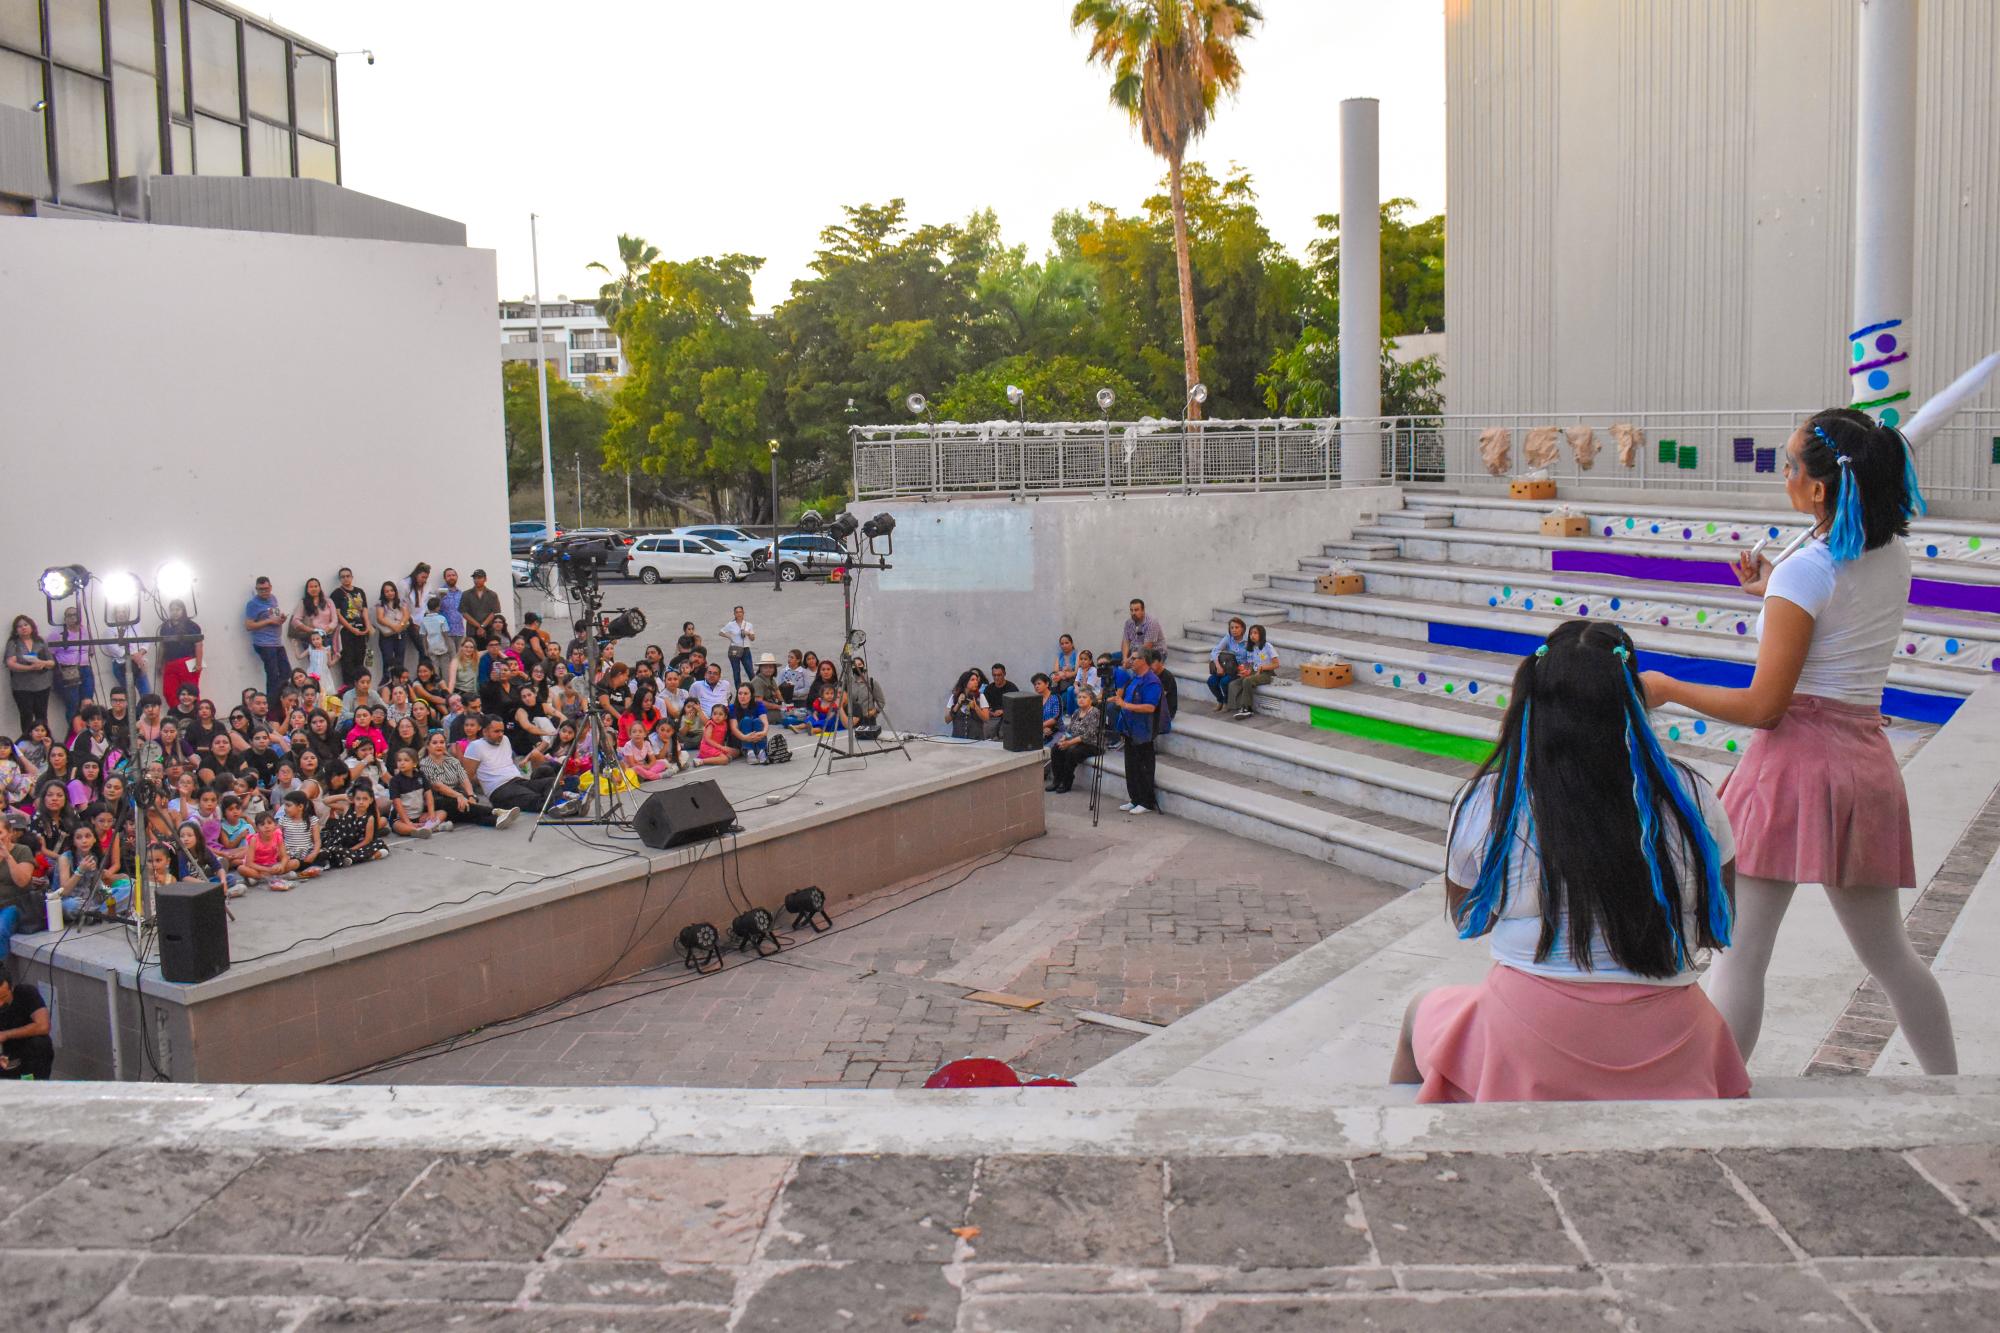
column 1873, row 920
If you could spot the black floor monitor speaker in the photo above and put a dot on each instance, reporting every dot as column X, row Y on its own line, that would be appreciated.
column 194, row 931
column 1021, row 721
column 695, row 812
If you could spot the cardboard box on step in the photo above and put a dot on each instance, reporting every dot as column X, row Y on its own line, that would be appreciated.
column 1564, row 525
column 1335, row 584
column 1326, row 675
column 1532, row 490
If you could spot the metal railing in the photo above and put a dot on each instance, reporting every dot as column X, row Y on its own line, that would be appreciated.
column 1733, row 452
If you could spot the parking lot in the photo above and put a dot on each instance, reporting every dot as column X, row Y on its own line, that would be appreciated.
column 805, row 614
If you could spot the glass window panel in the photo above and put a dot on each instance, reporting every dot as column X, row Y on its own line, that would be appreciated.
column 21, row 24
column 312, row 82
column 270, row 149
column 264, row 73
column 82, row 134
column 132, row 34
column 20, row 81
column 212, row 62
column 170, row 16
column 317, row 161
column 218, row 147
column 76, row 34
column 136, row 99
column 182, row 138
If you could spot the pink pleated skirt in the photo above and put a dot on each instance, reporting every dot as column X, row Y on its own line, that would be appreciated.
column 1819, row 800
column 1517, row 1037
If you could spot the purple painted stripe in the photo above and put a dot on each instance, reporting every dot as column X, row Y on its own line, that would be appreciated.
column 1887, row 360
column 1665, row 568
column 1940, row 593
column 1955, row 596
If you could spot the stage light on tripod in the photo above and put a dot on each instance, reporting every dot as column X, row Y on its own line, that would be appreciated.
column 624, row 624
column 916, row 402
column 879, row 526
column 121, row 599
column 843, row 527
column 808, row 908
column 810, row 521
column 701, row 946
column 60, row 581
column 752, row 930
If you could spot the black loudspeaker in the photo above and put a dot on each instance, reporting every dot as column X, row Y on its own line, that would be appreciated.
column 695, row 812
column 194, row 931
column 1021, row 721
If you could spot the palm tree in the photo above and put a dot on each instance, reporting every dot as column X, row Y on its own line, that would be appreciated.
column 1169, row 61
column 635, row 257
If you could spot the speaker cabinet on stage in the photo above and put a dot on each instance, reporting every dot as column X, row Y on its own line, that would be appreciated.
column 1021, row 721
column 194, row 931
column 695, row 812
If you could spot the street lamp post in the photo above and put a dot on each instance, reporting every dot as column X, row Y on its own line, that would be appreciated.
column 777, row 567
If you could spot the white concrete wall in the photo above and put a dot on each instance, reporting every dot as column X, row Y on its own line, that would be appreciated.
column 249, row 403
column 984, row 581
column 1651, row 203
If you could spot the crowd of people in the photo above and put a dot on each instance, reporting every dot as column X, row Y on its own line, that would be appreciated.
column 405, row 714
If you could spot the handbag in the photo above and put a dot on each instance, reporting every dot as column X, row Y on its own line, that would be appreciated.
column 1226, row 660
column 778, row 749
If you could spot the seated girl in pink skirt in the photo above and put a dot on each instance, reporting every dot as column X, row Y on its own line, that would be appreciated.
column 1597, row 868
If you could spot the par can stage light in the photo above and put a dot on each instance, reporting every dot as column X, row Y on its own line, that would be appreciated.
column 752, row 930
column 808, row 908
column 701, row 946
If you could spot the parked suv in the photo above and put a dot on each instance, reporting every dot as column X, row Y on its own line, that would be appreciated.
column 805, row 553
column 672, row 555
column 522, row 536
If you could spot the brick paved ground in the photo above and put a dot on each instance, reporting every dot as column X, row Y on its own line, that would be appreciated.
column 1145, row 919
column 148, row 1238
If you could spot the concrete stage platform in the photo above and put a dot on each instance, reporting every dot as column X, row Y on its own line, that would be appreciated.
column 479, row 925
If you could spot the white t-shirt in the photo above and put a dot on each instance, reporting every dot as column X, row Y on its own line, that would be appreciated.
column 739, row 635
column 494, row 765
column 1857, row 610
column 1519, row 930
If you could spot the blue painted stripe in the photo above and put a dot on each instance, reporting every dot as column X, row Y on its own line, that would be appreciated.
column 1874, row 328
column 1913, row 705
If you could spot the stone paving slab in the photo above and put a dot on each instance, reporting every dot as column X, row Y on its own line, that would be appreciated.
column 1024, row 1243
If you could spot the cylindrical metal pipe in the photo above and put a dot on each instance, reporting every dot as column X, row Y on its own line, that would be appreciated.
column 1360, row 290
column 1877, row 352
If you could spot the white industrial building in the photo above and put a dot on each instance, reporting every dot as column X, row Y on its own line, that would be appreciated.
column 574, row 336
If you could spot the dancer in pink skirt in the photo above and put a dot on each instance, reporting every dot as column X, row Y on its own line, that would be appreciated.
column 1819, row 799
column 1597, row 868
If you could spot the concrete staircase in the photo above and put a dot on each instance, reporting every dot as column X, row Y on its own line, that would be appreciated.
column 1457, row 588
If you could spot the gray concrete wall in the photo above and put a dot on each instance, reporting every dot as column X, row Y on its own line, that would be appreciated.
column 984, row 581
column 299, row 207
column 24, row 155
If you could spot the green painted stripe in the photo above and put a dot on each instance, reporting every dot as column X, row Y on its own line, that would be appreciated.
column 1422, row 739
column 1873, row 403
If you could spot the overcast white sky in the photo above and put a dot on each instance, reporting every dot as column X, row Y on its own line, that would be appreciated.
column 745, row 125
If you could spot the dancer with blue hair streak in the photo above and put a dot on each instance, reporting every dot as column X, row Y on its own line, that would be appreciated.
column 1598, row 869
column 1819, row 798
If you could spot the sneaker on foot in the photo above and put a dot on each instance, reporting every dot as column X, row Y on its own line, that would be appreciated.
column 1139, row 810
column 233, row 891
column 381, row 854
column 278, row 885
column 503, row 817
column 1242, row 713
column 442, row 826
column 312, row 872
column 1128, row 807
column 421, row 831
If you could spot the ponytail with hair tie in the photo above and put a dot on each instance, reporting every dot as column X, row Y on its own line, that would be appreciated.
column 1642, row 745
column 1846, row 538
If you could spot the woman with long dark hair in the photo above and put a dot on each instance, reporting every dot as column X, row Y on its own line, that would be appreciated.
column 392, row 624
column 1819, row 798
column 1597, row 868
column 31, row 669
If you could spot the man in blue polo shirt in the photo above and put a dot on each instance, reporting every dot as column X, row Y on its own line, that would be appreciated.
column 1138, row 707
column 265, row 620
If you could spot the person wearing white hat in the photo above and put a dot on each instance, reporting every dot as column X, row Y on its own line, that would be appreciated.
column 764, row 684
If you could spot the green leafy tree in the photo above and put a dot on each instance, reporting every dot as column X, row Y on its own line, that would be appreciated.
column 697, row 404
column 1170, row 61
column 1248, row 290
column 635, row 257
column 1057, row 388
column 576, row 424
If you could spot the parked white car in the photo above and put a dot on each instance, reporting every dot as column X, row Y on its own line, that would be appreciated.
column 736, row 540
column 668, row 555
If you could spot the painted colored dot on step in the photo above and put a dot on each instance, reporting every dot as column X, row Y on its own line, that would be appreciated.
column 1423, row 678
column 1931, row 551
column 1607, row 529
column 1687, row 534
column 1910, row 648
column 1742, row 627
column 1583, row 608
column 1614, row 604
column 1711, row 529
column 1559, row 601
column 1528, row 605
column 1972, row 543
column 1472, row 687
column 1397, row 681
column 1378, row 668
column 1449, row 687
column 1630, row 524
column 1673, row 733
column 1701, row 728
column 1701, row 617
column 1774, row 532
column 1499, row 701
column 1506, row 591
column 1656, row 527
column 1736, row 536
column 1493, row 601
column 1951, row 646
column 1664, row 620
column 1729, row 746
